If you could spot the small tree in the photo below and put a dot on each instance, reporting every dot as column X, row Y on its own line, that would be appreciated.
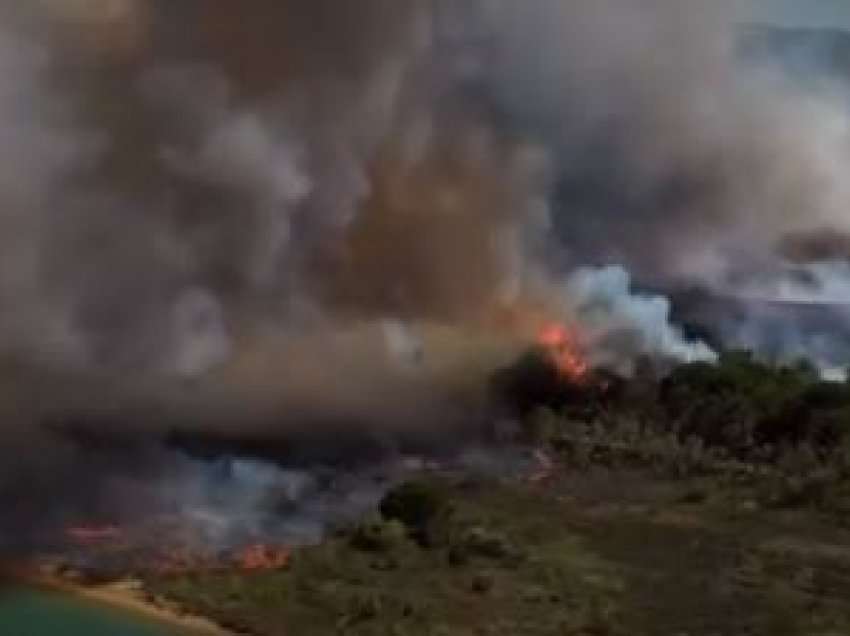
column 423, row 507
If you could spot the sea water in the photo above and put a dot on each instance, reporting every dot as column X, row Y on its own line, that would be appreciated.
column 29, row 612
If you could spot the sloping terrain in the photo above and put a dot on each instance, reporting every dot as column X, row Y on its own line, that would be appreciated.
column 596, row 552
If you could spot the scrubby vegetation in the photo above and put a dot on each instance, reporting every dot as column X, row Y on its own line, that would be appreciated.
column 778, row 430
column 747, row 409
column 742, row 404
column 590, row 556
column 379, row 578
column 422, row 508
column 713, row 500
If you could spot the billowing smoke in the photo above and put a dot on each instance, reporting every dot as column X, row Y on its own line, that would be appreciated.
column 221, row 180
column 689, row 149
column 272, row 217
column 623, row 325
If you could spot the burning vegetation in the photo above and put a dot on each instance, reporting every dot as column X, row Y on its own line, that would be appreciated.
column 768, row 412
column 89, row 535
column 562, row 349
column 266, row 261
column 96, row 554
column 260, row 557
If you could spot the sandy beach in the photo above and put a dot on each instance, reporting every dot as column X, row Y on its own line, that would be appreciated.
column 128, row 595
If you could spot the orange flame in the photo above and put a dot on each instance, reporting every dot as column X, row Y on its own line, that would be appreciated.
column 93, row 534
column 562, row 348
column 261, row 557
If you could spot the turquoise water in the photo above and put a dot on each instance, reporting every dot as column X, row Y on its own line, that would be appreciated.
column 25, row 612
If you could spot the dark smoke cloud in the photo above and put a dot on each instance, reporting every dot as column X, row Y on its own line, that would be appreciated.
column 213, row 214
column 816, row 245
column 675, row 157
column 257, row 218
column 275, row 164
column 685, row 151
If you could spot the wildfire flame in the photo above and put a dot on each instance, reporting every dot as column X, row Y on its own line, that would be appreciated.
column 93, row 534
column 562, row 348
column 261, row 557
column 169, row 551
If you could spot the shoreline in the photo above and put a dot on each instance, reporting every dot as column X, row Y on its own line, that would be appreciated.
column 128, row 595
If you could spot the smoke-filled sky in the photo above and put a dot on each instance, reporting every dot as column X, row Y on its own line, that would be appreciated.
column 814, row 13
column 192, row 186
column 252, row 217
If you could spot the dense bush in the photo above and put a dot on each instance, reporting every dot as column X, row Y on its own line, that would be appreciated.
column 739, row 404
column 423, row 507
column 478, row 542
column 376, row 534
column 533, row 382
column 742, row 404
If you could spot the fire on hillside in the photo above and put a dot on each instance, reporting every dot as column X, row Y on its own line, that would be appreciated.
column 162, row 547
column 562, row 349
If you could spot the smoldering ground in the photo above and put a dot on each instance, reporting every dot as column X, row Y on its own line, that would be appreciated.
column 258, row 218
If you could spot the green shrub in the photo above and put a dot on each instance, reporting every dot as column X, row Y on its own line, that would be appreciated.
column 482, row 543
column 531, row 382
column 423, row 507
column 377, row 534
column 740, row 404
column 743, row 404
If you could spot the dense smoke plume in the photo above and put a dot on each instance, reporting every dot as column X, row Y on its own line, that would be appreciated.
column 690, row 152
column 266, row 217
column 622, row 326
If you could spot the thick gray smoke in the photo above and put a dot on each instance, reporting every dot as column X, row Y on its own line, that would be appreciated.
column 677, row 159
column 622, row 325
column 687, row 148
column 271, row 216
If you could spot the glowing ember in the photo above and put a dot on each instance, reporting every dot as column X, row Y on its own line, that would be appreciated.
column 563, row 350
column 164, row 548
column 93, row 534
column 260, row 557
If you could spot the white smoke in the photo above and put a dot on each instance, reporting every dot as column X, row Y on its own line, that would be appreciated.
column 200, row 336
column 798, row 311
column 621, row 324
column 179, row 180
column 403, row 343
column 825, row 283
column 276, row 171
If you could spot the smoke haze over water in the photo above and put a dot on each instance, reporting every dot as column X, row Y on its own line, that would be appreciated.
column 256, row 217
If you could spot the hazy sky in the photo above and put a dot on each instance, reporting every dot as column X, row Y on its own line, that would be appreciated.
column 800, row 12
